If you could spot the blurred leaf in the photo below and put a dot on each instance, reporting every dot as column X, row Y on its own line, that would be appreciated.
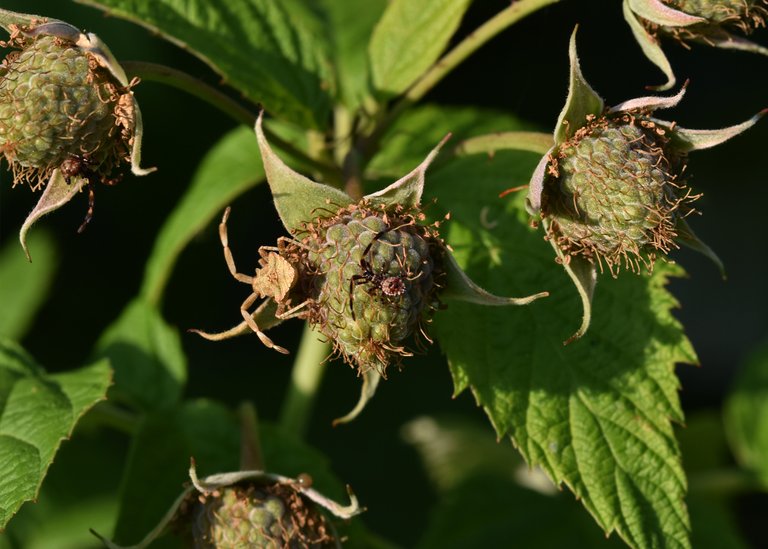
column 455, row 449
column 486, row 511
column 594, row 415
column 349, row 24
column 146, row 354
column 409, row 38
column 24, row 286
column 79, row 493
column 159, row 460
column 261, row 47
column 210, row 433
column 38, row 411
column 419, row 129
column 230, row 168
column 713, row 525
column 702, row 441
column 746, row 415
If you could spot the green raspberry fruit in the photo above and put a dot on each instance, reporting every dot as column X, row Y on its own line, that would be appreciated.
column 57, row 103
column 247, row 515
column 722, row 11
column 376, row 276
column 614, row 192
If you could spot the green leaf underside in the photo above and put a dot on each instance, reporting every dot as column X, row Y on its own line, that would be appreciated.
column 746, row 414
column 150, row 366
column 582, row 100
column 409, row 38
column 24, row 286
column 230, row 168
column 297, row 198
column 37, row 412
column 258, row 46
column 594, row 415
column 209, row 433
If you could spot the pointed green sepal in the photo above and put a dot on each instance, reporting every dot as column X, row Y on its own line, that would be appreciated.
column 536, row 185
column 685, row 140
column 732, row 42
column 407, row 190
column 584, row 277
column 650, row 102
column 297, row 198
column 57, row 193
column 650, row 47
column 371, row 379
column 536, row 142
column 460, row 287
column 582, row 100
column 687, row 237
column 658, row 12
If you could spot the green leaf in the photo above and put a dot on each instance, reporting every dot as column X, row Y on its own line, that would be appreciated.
column 150, row 366
column 160, row 456
column 581, row 102
column 414, row 134
column 409, row 38
column 259, row 47
column 349, row 24
column 296, row 197
column 8, row 18
column 594, row 415
column 230, row 168
column 37, row 412
column 24, row 286
column 746, row 414
column 490, row 511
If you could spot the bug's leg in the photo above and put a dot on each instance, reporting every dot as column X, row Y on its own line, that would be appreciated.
column 91, row 201
column 255, row 327
column 228, row 253
column 293, row 311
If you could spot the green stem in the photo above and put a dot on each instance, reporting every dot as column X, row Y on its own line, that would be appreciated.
column 488, row 30
column 305, row 381
column 162, row 74
column 723, row 482
column 120, row 419
column 251, row 456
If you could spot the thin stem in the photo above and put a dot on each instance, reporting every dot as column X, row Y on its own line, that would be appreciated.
column 305, row 381
column 488, row 30
column 120, row 419
column 162, row 74
column 251, row 456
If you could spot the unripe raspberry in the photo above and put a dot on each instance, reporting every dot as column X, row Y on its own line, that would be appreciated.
column 257, row 515
column 615, row 192
column 58, row 103
column 374, row 281
column 745, row 13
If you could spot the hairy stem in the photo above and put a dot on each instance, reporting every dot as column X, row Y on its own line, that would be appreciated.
column 488, row 30
column 162, row 74
column 305, row 381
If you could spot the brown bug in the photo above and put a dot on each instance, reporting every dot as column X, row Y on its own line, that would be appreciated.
column 274, row 279
column 81, row 166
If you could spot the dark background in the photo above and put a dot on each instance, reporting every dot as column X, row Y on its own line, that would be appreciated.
column 524, row 71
